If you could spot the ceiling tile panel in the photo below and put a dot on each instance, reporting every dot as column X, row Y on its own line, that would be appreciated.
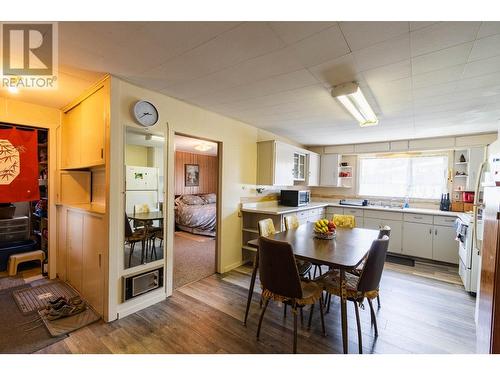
column 441, row 59
column 486, row 47
column 388, row 52
column 364, row 34
column 291, row 32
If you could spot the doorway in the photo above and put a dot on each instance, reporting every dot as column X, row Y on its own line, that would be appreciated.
column 196, row 181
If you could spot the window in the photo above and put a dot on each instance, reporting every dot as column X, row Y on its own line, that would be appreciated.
column 422, row 177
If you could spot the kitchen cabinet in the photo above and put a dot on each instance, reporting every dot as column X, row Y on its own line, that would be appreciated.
column 299, row 166
column 417, row 240
column 444, row 247
column 85, row 249
column 396, row 240
column 313, row 169
column 83, row 132
column 275, row 163
column 476, row 157
column 329, row 175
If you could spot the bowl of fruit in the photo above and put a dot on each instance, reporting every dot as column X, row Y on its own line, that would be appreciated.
column 325, row 229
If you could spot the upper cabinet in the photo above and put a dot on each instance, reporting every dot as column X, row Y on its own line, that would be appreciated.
column 329, row 175
column 281, row 164
column 83, row 131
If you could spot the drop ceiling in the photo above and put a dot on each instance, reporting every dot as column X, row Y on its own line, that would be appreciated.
column 422, row 79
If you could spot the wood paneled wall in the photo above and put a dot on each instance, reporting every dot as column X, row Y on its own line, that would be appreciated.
column 208, row 173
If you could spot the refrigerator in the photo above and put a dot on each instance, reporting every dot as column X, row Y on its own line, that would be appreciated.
column 141, row 186
column 488, row 300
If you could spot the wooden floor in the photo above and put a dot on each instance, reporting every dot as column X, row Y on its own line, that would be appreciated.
column 420, row 313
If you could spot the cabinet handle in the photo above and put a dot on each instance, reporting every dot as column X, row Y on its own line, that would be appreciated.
column 436, row 232
column 99, row 260
column 102, row 153
column 430, row 230
column 417, row 217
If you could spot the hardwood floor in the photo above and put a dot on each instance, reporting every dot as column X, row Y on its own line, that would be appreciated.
column 419, row 314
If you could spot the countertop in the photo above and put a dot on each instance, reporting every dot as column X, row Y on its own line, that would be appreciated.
column 276, row 209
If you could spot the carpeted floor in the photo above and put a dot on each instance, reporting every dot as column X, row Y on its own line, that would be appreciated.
column 194, row 259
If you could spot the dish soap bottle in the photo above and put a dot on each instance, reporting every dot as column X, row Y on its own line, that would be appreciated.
column 406, row 203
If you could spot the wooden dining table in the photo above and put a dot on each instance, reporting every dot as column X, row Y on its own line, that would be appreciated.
column 345, row 252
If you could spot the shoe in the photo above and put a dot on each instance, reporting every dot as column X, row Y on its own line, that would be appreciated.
column 66, row 311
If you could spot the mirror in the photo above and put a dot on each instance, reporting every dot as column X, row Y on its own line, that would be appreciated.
column 144, row 194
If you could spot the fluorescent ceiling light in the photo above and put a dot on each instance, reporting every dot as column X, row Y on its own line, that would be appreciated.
column 203, row 147
column 351, row 97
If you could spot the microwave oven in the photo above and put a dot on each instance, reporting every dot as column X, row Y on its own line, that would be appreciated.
column 295, row 198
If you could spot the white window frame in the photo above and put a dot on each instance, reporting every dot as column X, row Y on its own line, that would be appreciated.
column 448, row 154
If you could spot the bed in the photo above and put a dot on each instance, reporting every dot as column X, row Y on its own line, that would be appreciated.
column 196, row 214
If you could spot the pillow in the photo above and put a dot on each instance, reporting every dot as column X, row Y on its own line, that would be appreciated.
column 209, row 198
column 192, row 200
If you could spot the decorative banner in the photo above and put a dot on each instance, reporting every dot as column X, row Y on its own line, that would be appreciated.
column 18, row 165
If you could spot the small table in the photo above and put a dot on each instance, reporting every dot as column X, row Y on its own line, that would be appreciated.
column 146, row 216
column 344, row 253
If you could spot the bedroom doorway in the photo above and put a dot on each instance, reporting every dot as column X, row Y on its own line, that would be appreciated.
column 196, row 193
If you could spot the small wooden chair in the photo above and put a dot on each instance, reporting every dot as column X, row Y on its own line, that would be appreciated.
column 344, row 221
column 292, row 222
column 281, row 282
column 133, row 237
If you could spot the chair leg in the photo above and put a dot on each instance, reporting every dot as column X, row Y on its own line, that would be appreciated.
column 378, row 301
column 310, row 316
column 301, row 317
column 262, row 317
column 373, row 316
column 329, row 297
column 284, row 310
column 294, row 310
column 322, row 314
column 143, row 245
column 132, row 245
column 314, row 273
column 360, row 343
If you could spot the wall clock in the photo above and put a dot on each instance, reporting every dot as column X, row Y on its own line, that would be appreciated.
column 145, row 113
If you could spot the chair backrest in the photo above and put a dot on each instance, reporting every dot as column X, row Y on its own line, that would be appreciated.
column 344, row 221
column 141, row 208
column 374, row 265
column 384, row 231
column 266, row 227
column 291, row 222
column 277, row 268
column 128, row 228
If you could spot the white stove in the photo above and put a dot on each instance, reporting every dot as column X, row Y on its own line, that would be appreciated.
column 468, row 267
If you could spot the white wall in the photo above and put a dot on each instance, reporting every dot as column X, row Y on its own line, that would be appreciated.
column 238, row 175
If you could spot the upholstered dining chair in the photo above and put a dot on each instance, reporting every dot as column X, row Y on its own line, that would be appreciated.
column 366, row 285
column 281, row 282
column 344, row 221
column 133, row 237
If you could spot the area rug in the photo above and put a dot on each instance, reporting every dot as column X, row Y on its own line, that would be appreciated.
column 72, row 323
column 194, row 237
column 21, row 333
column 8, row 282
column 193, row 260
column 33, row 299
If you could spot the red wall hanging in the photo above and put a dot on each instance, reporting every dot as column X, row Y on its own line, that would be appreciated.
column 18, row 165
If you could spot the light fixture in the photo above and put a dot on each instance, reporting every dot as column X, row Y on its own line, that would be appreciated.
column 351, row 97
column 203, row 147
column 157, row 138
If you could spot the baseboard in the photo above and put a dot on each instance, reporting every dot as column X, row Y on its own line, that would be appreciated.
column 140, row 303
column 234, row 265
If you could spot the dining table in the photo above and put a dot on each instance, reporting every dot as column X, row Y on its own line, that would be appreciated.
column 345, row 252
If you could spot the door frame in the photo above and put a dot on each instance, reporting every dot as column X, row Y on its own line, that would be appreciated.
column 171, row 204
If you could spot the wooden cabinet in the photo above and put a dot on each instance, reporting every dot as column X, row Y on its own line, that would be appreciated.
column 417, row 240
column 85, row 249
column 444, row 247
column 329, row 175
column 83, row 132
column 275, row 163
column 313, row 169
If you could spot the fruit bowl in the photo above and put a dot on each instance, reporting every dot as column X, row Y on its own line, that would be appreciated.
column 324, row 229
column 325, row 236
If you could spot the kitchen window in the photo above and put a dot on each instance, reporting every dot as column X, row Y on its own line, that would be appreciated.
column 422, row 177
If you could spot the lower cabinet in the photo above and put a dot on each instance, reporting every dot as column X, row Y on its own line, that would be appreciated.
column 444, row 248
column 417, row 240
column 395, row 243
column 85, row 247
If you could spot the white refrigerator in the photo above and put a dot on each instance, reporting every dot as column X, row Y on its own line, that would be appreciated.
column 141, row 185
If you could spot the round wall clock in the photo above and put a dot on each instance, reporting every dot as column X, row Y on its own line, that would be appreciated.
column 145, row 113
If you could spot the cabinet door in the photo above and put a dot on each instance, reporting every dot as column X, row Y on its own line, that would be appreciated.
column 444, row 246
column 71, row 138
column 93, row 129
column 313, row 169
column 417, row 240
column 74, row 248
column 476, row 157
column 396, row 240
column 329, row 175
column 93, row 252
column 283, row 164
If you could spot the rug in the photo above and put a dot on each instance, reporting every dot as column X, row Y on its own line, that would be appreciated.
column 72, row 323
column 194, row 237
column 10, row 282
column 21, row 333
column 33, row 299
column 193, row 260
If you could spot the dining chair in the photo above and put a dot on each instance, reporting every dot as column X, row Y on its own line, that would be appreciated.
column 366, row 285
column 344, row 221
column 292, row 222
column 266, row 229
column 132, row 237
column 281, row 283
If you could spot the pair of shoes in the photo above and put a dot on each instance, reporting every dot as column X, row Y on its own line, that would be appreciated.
column 60, row 302
column 66, row 310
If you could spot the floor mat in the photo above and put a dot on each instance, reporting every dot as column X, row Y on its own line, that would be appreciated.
column 10, row 282
column 72, row 323
column 21, row 333
column 34, row 299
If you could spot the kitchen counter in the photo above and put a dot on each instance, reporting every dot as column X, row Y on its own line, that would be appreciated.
column 276, row 209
